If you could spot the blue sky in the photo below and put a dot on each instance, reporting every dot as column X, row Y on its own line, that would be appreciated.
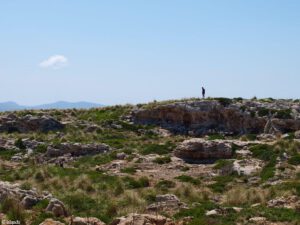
column 134, row 51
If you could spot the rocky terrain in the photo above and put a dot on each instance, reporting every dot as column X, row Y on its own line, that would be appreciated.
column 191, row 161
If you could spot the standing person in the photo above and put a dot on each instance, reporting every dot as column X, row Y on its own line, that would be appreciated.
column 203, row 92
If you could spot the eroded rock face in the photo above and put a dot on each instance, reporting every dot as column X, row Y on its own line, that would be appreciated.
column 200, row 117
column 29, row 123
column 76, row 149
column 205, row 117
column 199, row 150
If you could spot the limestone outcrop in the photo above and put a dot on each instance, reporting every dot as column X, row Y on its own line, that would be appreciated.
column 24, row 124
column 196, row 149
column 76, row 149
column 200, row 117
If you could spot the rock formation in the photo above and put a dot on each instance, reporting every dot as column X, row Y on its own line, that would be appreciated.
column 205, row 117
column 196, row 149
column 29, row 123
column 76, row 149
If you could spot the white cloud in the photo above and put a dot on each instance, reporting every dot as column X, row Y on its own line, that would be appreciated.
column 54, row 62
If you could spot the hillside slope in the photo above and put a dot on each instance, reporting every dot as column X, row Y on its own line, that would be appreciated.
column 189, row 161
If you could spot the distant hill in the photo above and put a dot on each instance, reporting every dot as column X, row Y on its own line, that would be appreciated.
column 12, row 106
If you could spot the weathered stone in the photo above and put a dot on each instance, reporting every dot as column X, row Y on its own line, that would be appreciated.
column 258, row 220
column 247, row 166
column 141, row 219
column 76, row 149
column 87, row 221
column 297, row 134
column 200, row 117
column 121, row 155
column 57, row 208
column 29, row 123
column 196, row 149
column 51, row 222
column 29, row 201
column 292, row 202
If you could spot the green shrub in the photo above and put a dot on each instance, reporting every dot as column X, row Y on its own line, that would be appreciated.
column 224, row 101
column 19, row 144
column 39, row 177
column 216, row 137
column 131, row 183
column 263, row 112
column 42, row 216
column 165, row 184
column 26, row 186
column 251, row 137
column 13, row 210
column 221, row 182
column 188, row 179
column 283, row 114
column 79, row 202
column 221, row 163
column 162, row 160
column 263, row 151
column 157, row 149
column 41, row 205
column 130, row 170
column 295, row 159
column 6, row 154
column 269, row 170
column 41, row 148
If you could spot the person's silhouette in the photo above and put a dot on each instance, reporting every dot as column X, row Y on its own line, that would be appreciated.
column 203, row 92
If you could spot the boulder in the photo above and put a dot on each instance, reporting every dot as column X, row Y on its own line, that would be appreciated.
column 199, row 150
column 51, row 222
column 297, row 134
column 121, row 156
column 57, row 208
column 258, row 220
column 86, row 221
column 29, row 201
column 247, row 166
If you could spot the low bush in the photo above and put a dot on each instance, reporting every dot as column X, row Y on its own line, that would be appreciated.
column 162, row 160
column 160, row 149
column 13, row 210
column 165, row 185
column 220, row 183
column 131, row 183
column 295, row 159
column 130, row 170
column 188, row 179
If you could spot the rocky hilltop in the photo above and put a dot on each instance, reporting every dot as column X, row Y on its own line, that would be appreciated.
column 231, row 117
column 192, row 161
